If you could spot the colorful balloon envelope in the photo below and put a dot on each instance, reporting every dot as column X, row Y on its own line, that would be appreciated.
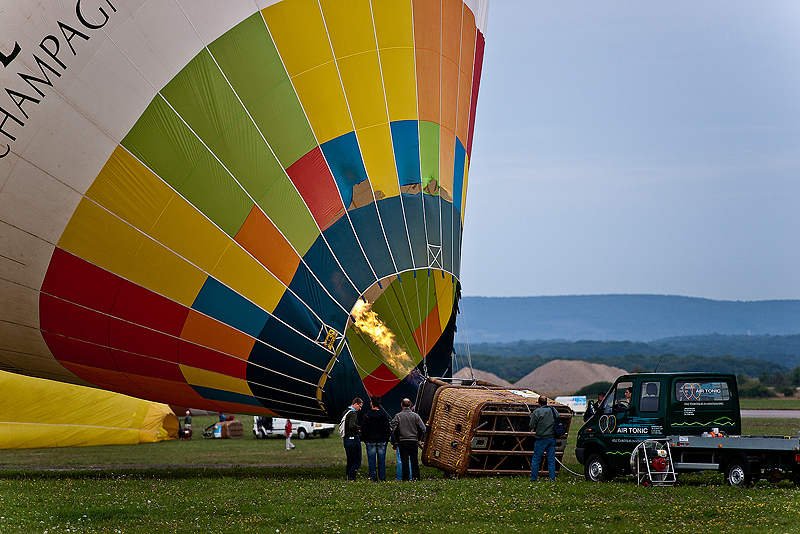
column 240, row 206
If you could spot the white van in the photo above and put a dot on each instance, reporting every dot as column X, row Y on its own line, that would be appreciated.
column 264, row 427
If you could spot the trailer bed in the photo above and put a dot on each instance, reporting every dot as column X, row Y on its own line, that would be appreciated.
column 742, row 459
column 744, row 443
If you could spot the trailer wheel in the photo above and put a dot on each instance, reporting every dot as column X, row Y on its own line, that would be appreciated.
column 596, row 468
column 736, row 474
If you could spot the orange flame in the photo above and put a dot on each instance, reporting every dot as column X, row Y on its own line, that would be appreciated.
column 367, row 322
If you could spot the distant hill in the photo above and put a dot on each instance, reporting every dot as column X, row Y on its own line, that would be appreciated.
column 762, row 347
column 635, row 318
column 784, row 350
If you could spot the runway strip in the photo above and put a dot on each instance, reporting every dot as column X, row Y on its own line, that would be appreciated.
column 778, row 414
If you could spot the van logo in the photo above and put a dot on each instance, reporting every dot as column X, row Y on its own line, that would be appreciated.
column 608, row 423
column 692, row 391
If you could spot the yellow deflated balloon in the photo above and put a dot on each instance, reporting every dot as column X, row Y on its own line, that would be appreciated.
column 42, row 413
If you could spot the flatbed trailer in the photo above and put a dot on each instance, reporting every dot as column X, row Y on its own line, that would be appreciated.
column 743, row 460
column 697, row 415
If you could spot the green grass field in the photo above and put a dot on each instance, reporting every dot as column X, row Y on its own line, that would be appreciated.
column 250, row 485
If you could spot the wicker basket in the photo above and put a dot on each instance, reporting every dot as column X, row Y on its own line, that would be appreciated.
column 232, row 429
column 484, row 431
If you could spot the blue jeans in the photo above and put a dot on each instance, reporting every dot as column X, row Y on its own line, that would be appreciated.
column 539, row 447
column 376, row 451
column 352, row 448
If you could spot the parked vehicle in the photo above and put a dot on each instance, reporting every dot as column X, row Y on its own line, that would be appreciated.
column 696, row 415
column 264, row 427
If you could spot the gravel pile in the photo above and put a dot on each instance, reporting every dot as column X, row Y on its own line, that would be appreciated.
column 565, row 377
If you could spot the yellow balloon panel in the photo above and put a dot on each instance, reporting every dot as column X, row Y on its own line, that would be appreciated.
column 376, row 148
column 189, row 234
column 128, row 189
column 398, row 68
column 349, row 24
column 361, row 77
column 320, row 92
column 242, row 273
column 299, row 34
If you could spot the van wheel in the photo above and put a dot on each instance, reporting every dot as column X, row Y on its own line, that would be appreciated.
column 596, row 468
column 301, row 433
column 736, row 474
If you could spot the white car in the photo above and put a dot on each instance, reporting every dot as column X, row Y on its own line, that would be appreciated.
column 264, row 427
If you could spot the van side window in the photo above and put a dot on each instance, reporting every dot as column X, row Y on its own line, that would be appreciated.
column 650, row 401
column 701, row 391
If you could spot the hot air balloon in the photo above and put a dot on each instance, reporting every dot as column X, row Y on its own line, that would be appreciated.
column 242, row 206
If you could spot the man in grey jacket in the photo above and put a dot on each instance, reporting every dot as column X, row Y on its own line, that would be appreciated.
column 408, row 432
column 543, row 423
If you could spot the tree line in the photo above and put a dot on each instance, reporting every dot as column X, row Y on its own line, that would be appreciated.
column 784, row 350
column 756, row 378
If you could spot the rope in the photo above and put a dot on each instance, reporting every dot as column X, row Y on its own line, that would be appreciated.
column 567, row 468
column 465, row 336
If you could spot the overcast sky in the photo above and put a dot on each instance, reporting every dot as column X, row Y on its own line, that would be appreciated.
column 637, row 147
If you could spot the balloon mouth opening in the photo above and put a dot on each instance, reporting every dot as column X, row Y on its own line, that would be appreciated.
column 368, row 325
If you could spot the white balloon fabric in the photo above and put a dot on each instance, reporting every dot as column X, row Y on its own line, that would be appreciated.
column 240, row 206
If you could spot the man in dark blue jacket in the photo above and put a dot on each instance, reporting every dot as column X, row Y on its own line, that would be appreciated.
column 375, row 433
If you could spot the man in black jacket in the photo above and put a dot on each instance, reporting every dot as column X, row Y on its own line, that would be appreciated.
column 375, row 433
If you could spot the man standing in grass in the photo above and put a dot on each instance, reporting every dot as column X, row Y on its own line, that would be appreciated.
column 409, row 433
column 287, row 429
column 352, row 440
column 543, row 423
column 187, row 425
column 375, row 432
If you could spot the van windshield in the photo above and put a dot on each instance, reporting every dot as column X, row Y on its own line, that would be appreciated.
column 619, row 398
column 701, row 391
